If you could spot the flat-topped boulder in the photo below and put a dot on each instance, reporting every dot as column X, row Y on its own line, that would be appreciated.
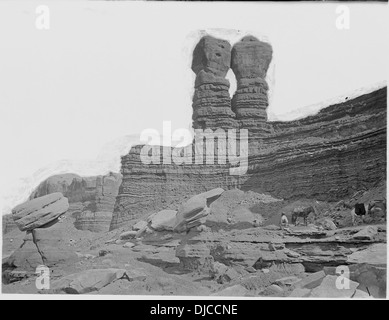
column 40, row 212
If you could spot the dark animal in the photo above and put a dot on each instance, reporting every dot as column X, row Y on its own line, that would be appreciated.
column 302, row 212
column 360, row 209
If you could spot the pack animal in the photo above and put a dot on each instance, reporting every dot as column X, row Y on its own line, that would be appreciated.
column 302, row 212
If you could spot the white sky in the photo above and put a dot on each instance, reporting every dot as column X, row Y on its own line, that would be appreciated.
column 109, row 69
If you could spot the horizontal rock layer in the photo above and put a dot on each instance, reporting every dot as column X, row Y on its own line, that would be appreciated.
column 211, row 100
column 250, row 60
column 328, row 156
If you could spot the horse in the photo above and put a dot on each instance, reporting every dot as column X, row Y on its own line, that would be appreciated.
column 302, row 212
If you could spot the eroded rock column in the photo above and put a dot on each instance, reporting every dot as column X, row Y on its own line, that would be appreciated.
column 211, row 100
column 250, row 60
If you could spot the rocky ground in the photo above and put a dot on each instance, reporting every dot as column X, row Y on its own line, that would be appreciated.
column 237, row 250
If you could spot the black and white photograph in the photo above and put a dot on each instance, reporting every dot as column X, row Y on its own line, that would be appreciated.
column 194, row 150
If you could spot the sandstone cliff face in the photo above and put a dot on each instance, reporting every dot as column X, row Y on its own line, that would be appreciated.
column 91, row 198
column 327, row 156
column 99, row 218
column 152, row 188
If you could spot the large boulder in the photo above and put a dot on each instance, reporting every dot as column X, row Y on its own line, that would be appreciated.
column 374, row 255
column 40, row 212
column 193, row 213
column 329, row 288
column 367, row 233
column 164, row 220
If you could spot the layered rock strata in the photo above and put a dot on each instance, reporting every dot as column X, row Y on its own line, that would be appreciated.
column 151, row 188
column 327, row 156
column 97, row 217
column 250, row 61
column 211, row 100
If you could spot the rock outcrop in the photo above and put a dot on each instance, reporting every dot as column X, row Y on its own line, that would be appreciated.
column 91, row 199
column 211, row 100
column 250, row 60
column 151, row 188
column 327, row 156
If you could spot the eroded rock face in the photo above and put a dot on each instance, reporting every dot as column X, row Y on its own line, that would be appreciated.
column 314, row 158
column 250, row 60
column 91, row 199
column 72, row 186
column 40, row 211
column 152, row 188
column 99, row 218
column 211, row 100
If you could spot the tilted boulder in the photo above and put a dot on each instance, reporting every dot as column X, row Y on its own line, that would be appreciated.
column 192, row 213
column 40, row 212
